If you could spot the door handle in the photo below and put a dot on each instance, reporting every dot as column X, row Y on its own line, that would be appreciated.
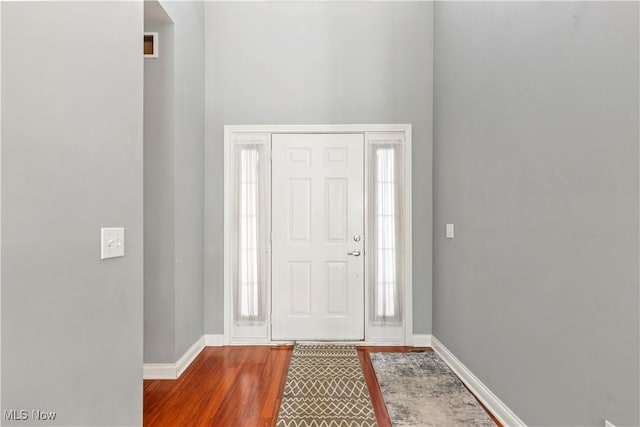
column 354, row 253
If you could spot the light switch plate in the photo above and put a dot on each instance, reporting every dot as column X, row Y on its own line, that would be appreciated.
column 112, row 242
column 449, row 231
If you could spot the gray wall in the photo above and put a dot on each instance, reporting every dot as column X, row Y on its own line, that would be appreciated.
column 159, row 192
column 536, row 163
column 174, row 185
column 1, row 206
column 317, row 63
column 189, row 170
column 71, row 163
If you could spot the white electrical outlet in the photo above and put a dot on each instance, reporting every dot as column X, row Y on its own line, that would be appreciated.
column 449, row 231
column 112, row 242
column 608, row 424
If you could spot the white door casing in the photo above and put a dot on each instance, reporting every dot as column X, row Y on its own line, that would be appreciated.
column 260, row 332
column 317, row 212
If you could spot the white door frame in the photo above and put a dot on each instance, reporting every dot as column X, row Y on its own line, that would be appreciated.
column 372, row 132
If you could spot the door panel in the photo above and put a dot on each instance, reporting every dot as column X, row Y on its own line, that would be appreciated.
column 317, row 208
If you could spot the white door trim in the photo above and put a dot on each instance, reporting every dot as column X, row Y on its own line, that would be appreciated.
column 370, row 131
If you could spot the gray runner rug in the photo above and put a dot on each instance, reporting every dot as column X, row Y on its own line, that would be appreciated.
column 325, row 388
column 419, row 389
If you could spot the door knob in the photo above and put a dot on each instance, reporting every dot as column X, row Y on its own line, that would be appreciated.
column 354, row 253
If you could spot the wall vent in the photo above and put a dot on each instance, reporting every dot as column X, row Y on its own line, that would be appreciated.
column 150, row 45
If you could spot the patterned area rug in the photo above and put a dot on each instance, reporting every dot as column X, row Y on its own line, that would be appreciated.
column 419, row 389
column 325, row 388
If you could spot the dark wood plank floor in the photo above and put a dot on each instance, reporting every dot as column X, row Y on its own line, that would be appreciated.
column 238, row 386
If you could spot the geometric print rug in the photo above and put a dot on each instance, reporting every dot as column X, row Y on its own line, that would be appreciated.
column 325, row 387
column 419, row 389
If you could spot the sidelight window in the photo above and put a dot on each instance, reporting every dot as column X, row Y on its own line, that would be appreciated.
column 250, row 225
column 385, row 231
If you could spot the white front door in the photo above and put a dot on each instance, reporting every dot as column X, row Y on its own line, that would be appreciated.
column 317, row 241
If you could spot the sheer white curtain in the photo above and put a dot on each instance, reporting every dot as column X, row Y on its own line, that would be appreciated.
column 250, row 222
column 384, row 233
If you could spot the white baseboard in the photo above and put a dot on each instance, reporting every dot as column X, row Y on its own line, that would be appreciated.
column 159, row 371
column 172, row 371
column 422, row 340
column 189, row 356
column 214, row 340
column 482, row 392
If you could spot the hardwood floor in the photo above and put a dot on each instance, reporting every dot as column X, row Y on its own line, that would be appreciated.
column 238, row 386
column 224, row 386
